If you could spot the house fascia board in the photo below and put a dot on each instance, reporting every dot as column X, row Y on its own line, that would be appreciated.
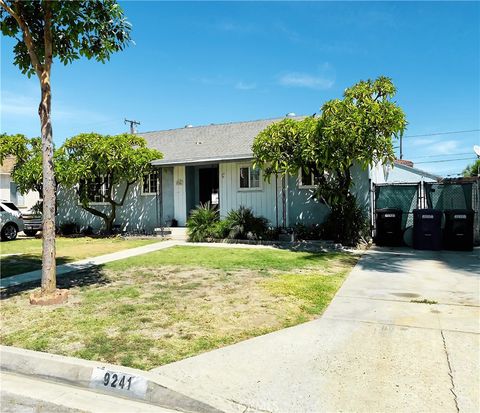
column 202, row 161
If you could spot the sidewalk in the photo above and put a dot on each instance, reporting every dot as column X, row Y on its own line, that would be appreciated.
column 86, row 263
column 115, row 256
column 372, row 350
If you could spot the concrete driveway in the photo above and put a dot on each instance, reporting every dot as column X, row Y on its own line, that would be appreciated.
column 374, row 350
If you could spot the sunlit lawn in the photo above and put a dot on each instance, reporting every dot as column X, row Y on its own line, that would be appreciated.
column 68, row 249
column 160, row 307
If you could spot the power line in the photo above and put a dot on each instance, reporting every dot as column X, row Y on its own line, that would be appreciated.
column 437, row 156
column 447, row 160
column 442, row 133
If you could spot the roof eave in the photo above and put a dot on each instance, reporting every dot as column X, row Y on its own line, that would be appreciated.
column 200, row 161
column 418, row 171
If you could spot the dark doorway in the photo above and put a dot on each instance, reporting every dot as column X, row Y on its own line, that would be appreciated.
column 208, row 186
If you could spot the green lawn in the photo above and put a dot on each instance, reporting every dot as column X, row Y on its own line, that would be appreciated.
column 164, row 306
column 68, row 249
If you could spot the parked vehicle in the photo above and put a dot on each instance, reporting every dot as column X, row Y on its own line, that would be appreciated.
column 32, row 223
column 11, row 221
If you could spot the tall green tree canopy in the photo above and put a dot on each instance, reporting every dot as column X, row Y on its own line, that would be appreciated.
column 359, row 128
column 105, row 166
column 45, row 30
column 67, row 30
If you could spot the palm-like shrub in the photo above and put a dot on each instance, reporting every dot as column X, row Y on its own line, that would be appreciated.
column 244, row 224
column 200, row 224
column 221, row 229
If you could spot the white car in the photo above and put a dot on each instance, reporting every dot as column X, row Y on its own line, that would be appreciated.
column 11, row 222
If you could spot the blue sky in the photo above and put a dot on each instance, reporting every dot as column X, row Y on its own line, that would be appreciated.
column 201, row 63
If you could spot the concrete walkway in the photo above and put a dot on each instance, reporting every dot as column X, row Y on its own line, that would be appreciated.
column 373, row 350
column 63, row 269
column 87, row 263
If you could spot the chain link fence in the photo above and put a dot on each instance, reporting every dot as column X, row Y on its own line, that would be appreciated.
column 446, row 195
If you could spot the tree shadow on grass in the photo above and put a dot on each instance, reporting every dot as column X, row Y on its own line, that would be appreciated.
column 16, row 264
column 90, row 276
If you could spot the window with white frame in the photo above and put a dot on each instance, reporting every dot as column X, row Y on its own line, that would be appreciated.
column 150, row 184
column 307, row 179
column 249, row 177
column 97, row 189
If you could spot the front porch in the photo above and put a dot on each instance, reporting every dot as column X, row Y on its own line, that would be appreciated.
column 193, row 185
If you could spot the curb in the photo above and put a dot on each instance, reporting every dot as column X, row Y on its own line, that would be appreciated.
column 148, row 387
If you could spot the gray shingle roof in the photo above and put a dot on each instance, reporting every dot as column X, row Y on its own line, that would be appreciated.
column 207, row 143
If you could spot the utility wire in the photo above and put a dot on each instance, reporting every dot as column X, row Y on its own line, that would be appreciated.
column 447, row 160
column 438, row 156
column 442, row 133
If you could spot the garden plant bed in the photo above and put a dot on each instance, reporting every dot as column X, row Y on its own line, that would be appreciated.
column 164, row 306
column 23, row 255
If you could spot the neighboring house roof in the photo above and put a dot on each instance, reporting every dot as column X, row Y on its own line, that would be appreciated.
column 7, row 166
column 211, row 143
column 403, row 165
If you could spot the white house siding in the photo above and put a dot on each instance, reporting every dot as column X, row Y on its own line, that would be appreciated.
column 9, row 192
column 261, row 201
column 361, row 185
column 303, row 208
column 140, row 213
column 5, row 186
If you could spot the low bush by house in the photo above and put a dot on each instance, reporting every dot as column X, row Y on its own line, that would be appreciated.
column 205, row 224
column 350, row 227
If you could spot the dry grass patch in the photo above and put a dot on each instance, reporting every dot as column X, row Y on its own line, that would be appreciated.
column 146, row 316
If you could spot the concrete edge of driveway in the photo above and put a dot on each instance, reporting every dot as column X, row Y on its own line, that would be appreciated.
column 160, row 390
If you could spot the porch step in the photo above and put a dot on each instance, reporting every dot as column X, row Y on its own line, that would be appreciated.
column 176, row 233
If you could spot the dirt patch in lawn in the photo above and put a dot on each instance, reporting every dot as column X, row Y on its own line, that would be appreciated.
column 147, row 316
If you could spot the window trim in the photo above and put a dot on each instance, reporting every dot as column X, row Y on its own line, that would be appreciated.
column 300, row 185
column 93, row 202
column 142, row 185
column 249, row 189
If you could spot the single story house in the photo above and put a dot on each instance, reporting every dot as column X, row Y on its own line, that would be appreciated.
column 212, row 163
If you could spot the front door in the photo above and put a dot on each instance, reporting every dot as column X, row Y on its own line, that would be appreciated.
column 208, row 186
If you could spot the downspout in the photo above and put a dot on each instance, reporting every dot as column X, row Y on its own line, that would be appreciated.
column 276, row 200
column 160, row 199
column 284, row 202
column 287, row 214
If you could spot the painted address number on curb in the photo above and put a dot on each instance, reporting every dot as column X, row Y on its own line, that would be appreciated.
column 118, row 382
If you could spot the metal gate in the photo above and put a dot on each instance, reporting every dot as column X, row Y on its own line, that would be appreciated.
column 448, row 194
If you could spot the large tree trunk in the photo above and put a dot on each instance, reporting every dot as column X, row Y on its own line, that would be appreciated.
column 108, row 219
column 48, row 246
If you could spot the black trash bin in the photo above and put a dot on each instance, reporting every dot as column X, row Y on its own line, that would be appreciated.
column 458, row 231
column 388, row 227
column 427, row 229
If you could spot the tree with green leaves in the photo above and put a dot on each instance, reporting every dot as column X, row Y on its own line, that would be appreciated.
column 45, row 30
column 358, row 129
column 27, row 171
column 473, row 169
column 104, row 168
